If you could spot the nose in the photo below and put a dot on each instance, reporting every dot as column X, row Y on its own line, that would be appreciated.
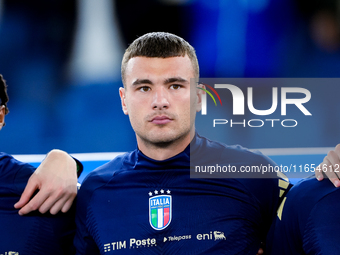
column 160, row 99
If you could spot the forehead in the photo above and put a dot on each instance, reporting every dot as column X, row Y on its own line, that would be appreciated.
column 154, row 68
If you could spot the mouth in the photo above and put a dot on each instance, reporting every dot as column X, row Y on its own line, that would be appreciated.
column 160, row 120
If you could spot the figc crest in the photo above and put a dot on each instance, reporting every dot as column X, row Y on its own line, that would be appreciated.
column 160, row 210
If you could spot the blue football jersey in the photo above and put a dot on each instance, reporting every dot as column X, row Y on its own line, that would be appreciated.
column 137, row 205
column 307, row 221
column 34, row 233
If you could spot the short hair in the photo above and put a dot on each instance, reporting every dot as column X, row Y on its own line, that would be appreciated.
column 3, row 94
column 159, row 45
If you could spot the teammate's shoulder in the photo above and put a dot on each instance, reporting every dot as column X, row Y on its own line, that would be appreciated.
column 8, row 163
column 310, row 190
column 6, row 157
column 304, row 196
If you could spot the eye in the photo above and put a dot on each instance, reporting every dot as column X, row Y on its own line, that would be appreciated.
column 175, row 86
column 144, row 89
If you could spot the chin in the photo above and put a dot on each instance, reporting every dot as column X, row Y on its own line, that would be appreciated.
column 162, row 136
column 165, row 138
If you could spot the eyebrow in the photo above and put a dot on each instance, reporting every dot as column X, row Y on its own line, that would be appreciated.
column 166, row 81
column 175, row 79
column 141, row 81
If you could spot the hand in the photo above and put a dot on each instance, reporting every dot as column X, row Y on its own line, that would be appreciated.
column 330, row 167
column 260, row 251
column 56, row 182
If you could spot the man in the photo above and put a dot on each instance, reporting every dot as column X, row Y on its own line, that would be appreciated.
column 145, row 201
column 56, row 179
column 307, row 221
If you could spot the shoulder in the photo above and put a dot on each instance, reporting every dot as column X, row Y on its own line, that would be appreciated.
column 321, row 229
column 307, row 215
column 235, row 161
column 229, row 153
column 7, row 161
column 253, row 170
column 13, row 171
column 309, row 191
column 103, row 174
column 97, row 179
column 306, row 195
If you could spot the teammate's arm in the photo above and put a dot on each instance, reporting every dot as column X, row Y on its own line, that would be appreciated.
column 330, row 166
column 56, row 182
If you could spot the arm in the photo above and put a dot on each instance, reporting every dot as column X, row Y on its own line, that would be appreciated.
column 321, row 233
column 56, row 182
column 330, row 167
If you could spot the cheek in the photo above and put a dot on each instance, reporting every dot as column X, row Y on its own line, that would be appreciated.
column 185, row 109
column 131, row 104
column 136, row 114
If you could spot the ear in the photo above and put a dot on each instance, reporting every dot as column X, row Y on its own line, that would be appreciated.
column 2, row 116
column 199, row 93
column 123, row 100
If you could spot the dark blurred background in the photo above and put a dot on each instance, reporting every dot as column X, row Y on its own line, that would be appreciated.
column 61, row 60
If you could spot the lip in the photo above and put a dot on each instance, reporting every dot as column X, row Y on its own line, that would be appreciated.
column 160, row 120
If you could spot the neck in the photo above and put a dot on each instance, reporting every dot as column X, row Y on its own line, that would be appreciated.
column 163, row 151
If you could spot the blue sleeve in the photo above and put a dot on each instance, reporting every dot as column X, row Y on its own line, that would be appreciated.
column 306, row 220
column 80, row 167
column 34, row 233
column 322, row 228
column 13, row 175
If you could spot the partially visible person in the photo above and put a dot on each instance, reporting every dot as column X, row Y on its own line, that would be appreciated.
column 307, row 220
column 53, row 187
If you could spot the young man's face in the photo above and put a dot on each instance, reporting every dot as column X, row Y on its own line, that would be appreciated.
column 157, row 98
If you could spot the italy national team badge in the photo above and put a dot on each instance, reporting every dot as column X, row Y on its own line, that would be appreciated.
column 160, row 209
